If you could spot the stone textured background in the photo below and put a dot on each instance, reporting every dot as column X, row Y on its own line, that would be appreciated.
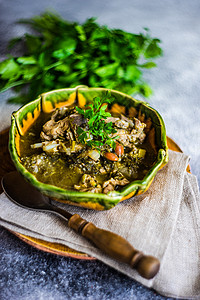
column 27, row 273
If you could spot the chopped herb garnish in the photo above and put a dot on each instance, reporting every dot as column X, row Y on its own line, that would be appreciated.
column 98, row 130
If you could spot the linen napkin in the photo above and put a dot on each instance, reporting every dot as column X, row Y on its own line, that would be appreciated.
column 163, row 222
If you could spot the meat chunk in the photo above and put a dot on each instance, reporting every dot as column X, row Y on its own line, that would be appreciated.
column 124, row 118
column 111, row 119
column 137, row 134
column 122, row 136
column 88, row 183
column 63, row 123
column 128, row 131
column 53, row 130
column 122, row 124
column 110, row 184
column 77, row 119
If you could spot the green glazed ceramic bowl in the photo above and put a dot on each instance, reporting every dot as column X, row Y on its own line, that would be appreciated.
column 47, row 102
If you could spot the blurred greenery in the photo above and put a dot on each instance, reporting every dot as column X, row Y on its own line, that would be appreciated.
column 64, row 54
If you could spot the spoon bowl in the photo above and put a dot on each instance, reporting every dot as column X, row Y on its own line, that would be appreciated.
column 22, row 193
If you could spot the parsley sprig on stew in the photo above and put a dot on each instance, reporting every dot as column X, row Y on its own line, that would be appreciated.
column 98, row 130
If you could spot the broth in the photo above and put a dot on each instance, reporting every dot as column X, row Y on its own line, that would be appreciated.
column 65, row 172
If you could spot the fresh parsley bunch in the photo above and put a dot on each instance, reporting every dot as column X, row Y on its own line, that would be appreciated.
column 98, row 130
column 66, row 54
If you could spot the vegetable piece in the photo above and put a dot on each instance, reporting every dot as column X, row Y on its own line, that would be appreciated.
column 111, row 156
column 36, row 145
column 50, row 146
column 94, row 154
column 73, row 144
column 141, row 153
column 63, row 53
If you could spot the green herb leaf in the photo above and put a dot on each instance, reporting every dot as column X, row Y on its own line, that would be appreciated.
column 29, row 60
column 148, row 65
column 153, row 50
column 107, row 70
column 98, row 129
column 9, row 68
column 65, row 54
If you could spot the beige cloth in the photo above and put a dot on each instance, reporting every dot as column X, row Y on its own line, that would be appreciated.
column 164, row 222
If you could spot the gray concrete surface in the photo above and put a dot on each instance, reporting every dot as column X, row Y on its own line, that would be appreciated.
column 27, row 273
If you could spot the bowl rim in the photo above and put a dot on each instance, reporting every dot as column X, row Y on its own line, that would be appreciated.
column 111, row 198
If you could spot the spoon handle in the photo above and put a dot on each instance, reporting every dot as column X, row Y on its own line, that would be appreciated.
column 116, row 247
